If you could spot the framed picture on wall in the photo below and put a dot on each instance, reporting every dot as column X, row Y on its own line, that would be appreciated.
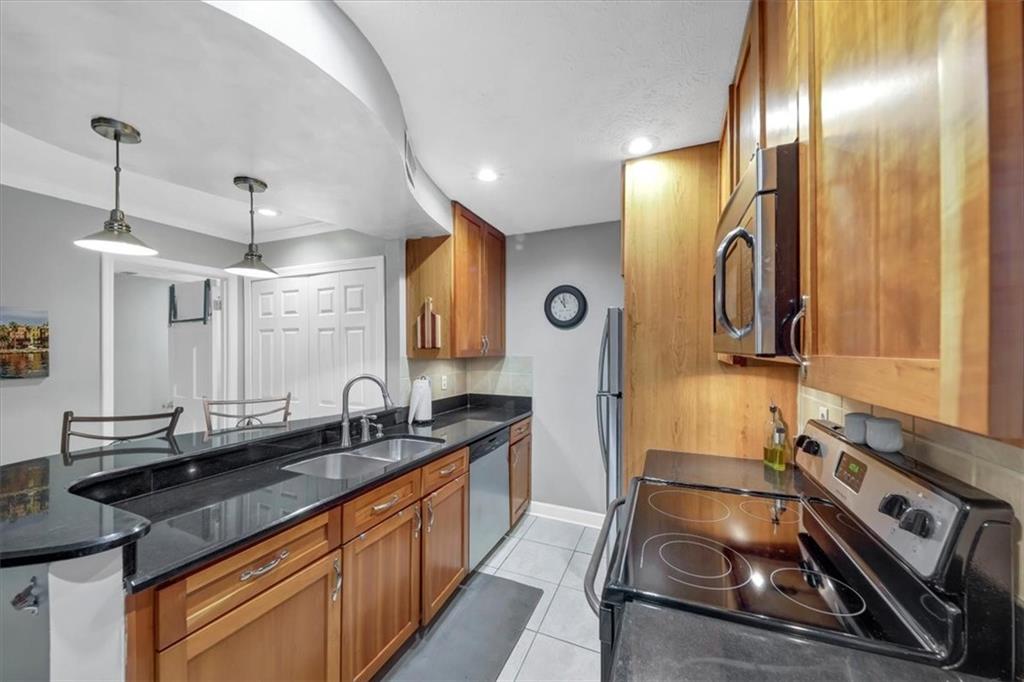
column 24, row 343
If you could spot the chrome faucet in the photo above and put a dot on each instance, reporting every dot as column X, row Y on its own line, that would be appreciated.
column 346, row 437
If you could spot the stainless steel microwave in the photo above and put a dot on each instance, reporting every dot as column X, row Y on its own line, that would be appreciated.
column 757, row 300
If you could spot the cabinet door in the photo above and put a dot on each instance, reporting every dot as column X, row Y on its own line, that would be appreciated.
column 290, row 632
column 445, row 544
column 914, row 306
column 493, row 287
column 747, row 93
column 469, row 296
column 519, row 478
column 381, row 594
column 779, row 67
column 725, row 174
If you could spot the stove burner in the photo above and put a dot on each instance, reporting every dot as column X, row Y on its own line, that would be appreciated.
column 844, row 594
column 737, row 562
column 766, row 510
column 728, row 564
column 720, row 510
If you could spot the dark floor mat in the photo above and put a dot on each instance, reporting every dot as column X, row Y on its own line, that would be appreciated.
column 473, row 637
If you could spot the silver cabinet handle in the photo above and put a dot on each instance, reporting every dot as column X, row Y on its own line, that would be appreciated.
column 251, row 573
column 419, row 522
column 720, row 313
column 388, row 504
column 337, row 580
column 801, row 359
column 430, row 513
column 28, row 599
column 595, row 558
column 483, row 345
column 448, row 470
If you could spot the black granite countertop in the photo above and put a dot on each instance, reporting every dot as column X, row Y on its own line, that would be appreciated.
column 712, row 471
column 176, row 511
column 658, row 643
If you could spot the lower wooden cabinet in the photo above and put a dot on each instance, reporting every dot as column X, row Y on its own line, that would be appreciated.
column 292, row 631
column 445, row 544
column 381, row 593
column 519, row 455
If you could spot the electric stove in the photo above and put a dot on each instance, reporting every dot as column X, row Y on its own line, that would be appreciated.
column 876, row 552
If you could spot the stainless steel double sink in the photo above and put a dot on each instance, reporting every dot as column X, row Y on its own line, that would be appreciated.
column 365, row 459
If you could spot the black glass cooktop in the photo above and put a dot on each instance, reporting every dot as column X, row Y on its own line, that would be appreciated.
column 750, row 557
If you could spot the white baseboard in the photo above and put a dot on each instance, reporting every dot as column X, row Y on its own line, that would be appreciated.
column 570, row 514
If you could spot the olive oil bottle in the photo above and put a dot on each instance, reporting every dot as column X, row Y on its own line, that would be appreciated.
column 775, row 441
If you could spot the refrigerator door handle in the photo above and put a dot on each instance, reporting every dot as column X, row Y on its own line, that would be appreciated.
column 602, row 431
column 602, row 357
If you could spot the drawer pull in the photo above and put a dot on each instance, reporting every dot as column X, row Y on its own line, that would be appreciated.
column 449, row 470
column 388, row 504
column 265, row 568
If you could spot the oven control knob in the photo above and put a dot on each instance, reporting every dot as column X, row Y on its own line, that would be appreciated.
column 894, row 505
column 917, row 521
column 808, row 445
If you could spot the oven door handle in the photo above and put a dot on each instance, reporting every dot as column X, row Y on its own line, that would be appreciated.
column 598, row 555
column 723, row 250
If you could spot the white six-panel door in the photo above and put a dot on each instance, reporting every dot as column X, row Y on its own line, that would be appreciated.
column 310, row 334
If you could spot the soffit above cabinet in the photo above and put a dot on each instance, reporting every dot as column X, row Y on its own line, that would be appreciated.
column 215, row 94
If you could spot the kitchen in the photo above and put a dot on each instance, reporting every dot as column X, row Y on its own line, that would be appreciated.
column 653, row 341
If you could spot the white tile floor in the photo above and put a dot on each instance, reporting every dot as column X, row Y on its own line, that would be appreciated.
column 561, row 640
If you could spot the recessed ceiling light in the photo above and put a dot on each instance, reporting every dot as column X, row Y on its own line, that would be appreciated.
column 269, row 212
column 640, row 145
column 486, row 175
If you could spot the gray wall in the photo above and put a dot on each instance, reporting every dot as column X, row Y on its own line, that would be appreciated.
column 567, row 466
column 342, row 244
column 41, row 269
column 142, row 375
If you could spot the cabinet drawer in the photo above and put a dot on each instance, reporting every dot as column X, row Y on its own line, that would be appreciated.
column 446, row 469
column 520, row 430
column 194, row 601
column 369, row 509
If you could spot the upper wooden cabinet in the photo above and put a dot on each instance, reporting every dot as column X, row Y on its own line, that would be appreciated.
column 914, row 245
column 464, row 276
column 761, row 109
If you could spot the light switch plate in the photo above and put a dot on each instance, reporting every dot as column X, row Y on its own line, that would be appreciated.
column 822, row 412
column 444, row 382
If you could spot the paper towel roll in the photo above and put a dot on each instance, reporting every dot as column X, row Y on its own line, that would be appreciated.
column 420, row 402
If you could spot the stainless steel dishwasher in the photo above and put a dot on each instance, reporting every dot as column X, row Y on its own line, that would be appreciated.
column 489, row 515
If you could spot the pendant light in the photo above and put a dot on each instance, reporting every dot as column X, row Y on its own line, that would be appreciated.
column 251, row 264
column 116, row 235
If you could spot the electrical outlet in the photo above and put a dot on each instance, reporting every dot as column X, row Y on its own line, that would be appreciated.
column 444, row 382
column 823, row 412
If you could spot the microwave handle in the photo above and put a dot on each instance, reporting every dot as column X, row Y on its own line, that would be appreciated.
column 723, row 249
column 800, row 358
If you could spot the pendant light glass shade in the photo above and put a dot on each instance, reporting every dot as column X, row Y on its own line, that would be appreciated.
column 116, row 235
column 252, row 264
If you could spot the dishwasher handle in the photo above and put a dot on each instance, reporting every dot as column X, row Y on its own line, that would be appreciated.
column 486, row 446
column 598, row 555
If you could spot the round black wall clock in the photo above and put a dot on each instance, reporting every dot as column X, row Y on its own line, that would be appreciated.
column 565, row 306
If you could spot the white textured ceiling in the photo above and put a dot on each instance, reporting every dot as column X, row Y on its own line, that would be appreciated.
column 548, row 92
column 214, row 97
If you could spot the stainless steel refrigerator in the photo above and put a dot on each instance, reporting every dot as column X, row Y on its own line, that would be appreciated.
column 609, row 402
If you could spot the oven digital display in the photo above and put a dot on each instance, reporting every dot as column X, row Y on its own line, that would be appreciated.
column 850, row 472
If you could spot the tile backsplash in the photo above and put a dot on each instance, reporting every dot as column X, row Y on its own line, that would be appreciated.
column 994, row 466
column 500, row 376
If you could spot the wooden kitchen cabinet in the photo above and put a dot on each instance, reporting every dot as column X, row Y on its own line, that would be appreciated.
column 913, row 243
column 519, row 470
column 464, row 276
column 747, row 92
column 445, row 544
column 292, row 631
column 381, row 593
